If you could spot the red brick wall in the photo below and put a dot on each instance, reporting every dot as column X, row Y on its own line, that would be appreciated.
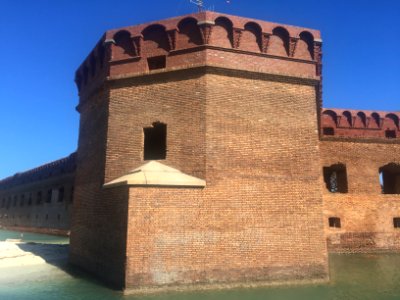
column 366, row 214
column 176, row 99
column 98, row 232
column 238, row 116
column 259, row 217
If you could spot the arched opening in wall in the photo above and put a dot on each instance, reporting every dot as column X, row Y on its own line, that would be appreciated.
column 329, row 122
column 222, row 33
column 392, row 125
column 279, row 42
column 334, row 222
column 305, row 46
column 362, row 119
column 390, row 178
column 376, row 120
column 155, row 41
column 335, row 178
column 396, row 222
column 188, row 34
column 251, row 38
column 155, row 141
column 347, row 119
column 124, row 44
column 394, row 119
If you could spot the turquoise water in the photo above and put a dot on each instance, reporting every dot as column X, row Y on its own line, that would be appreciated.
column 32, row 237
column 357, row 276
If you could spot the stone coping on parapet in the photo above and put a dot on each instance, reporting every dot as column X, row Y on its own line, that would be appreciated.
column 58, row 168
column 360, row 125
column 205, row 37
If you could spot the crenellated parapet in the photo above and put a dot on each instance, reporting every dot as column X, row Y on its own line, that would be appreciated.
column 346, row 123
column 198, row 40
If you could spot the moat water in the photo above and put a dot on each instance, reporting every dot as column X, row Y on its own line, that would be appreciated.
column 356, row 276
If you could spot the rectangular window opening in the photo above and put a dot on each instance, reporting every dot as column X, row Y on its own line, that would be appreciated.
column 39, row 198
column 155, row 142
column 389, row 177
column 335, row 178
column 158, row 62
column 49, row 195
column 390, row 134
column 61, row 194
column 396, row 222
column 334, row 222
column 328, row 131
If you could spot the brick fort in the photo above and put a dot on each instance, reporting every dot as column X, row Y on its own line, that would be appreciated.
column 206, row 158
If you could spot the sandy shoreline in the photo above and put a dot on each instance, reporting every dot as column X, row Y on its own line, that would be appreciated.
column 19, row 254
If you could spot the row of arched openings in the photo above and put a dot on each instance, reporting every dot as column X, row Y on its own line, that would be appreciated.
column 360, row 120
column 157, row 42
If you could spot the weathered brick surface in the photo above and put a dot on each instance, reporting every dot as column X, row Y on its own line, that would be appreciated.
column 361, row 124
column 238, row 115
column 366, row 214
column 39, row 200
column 241, row 101
column 259, row 218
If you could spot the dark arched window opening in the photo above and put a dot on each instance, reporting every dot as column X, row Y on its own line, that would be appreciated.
column 123, row 39
column 284, row 35
column 377, row 119
column 309, row 39
column 155, row 142
column 390, row 179
column 363, row 118
column 335, row 178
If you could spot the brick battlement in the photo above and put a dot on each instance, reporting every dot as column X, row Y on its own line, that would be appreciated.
column 59, row 167
column 197, row 40
column 347, row 123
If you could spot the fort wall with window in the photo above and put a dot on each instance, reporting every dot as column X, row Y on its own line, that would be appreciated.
column 39, row 200
column 361, row 166
column 205, row 157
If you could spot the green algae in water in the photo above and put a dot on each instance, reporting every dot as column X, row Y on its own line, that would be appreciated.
column 353, row 277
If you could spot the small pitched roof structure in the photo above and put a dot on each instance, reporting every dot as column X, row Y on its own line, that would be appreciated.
column 154, row 173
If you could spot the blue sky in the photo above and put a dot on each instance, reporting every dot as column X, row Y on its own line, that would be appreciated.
column 44, row 41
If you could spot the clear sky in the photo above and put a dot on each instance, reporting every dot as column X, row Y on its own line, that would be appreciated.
column 44, row 41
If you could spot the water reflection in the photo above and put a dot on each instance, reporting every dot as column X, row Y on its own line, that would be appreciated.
column 353, row 277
